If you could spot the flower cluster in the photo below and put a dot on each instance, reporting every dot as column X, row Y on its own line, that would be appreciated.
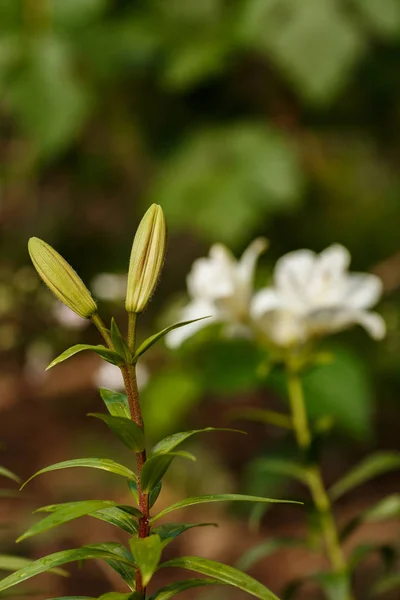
column 312, row 295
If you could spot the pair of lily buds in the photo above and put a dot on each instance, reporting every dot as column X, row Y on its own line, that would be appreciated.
column 146, row 261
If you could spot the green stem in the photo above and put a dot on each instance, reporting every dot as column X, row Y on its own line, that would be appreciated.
column 315, row 481
column 131, row 331
column 132, row 393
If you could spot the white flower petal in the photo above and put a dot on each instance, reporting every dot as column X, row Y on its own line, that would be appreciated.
column 292, row 276
column 336, row 257
column 214, row 276
column 264, row 301
column 283, row 328
column 363, row 290
column 194, row 310
column 248, row 261
column 373, row 323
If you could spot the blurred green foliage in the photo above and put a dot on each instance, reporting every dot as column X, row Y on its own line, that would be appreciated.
column 241, row 117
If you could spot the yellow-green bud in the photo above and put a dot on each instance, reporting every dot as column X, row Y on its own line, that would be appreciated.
column 61, row 278
column 147, row 259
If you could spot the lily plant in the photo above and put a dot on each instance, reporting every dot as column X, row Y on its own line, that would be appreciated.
column 311, row 296
column 146, row 536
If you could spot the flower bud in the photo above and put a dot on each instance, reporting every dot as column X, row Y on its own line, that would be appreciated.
column 147, row 259
column 61, row 278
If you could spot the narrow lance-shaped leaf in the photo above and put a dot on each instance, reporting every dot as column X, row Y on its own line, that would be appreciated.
column 105, row 464
column 387, row 583
column 47, row 563
column 147, row 554
column 150, row 341
column 371, row 467
column 102, row 351
column 170, row 531
column 156, row 466
column 121, row 596
column 116, row 403
column 265, row 549
column 180, row 586
column 9, row 474
column 217, row 498
column 222, row 574
column 120, row 346
column 261, row 415
column 171, row 442
column 125, row 429
column 281, row 466
column 65, row 514
column 125, row 567
column 387, row 508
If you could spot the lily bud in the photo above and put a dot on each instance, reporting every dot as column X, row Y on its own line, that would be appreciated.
column 147, row 259
column 61, row 278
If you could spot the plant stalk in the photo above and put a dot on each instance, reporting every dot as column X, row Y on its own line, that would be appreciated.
column 315, row 482
column 132, row 393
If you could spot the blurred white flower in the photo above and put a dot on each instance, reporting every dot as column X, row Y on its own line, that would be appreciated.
column 37, row 358
column 315, row 295
column 67, row 317
column 109, row 286
column 220, row 287
column 109, row 376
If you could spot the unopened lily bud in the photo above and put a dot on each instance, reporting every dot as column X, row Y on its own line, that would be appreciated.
column 147, row 259
column 61, row 278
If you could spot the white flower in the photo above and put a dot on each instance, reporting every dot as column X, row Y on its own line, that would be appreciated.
column 109, row 286
column 315, row 295
column 220, row 287
column 109, row 376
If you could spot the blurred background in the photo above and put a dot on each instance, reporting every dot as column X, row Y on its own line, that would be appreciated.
column 241, row 118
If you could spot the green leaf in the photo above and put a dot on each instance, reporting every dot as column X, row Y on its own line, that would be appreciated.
column 217, row 498
column 157, row 336
column 121, row 347
column 314, row 43
column 154, row 493
column 387, row 508
column 219, row 166
column 382, row 17
column 371, row 467
column 222, row 574
column 9, row 474
column 283, row 467
column 74, row 598
column 45, row 71
column 105, row 464
column 156, row 466
column 9, row 562
column 387, row 553
column 386, row 583
column 119, row 515
column 120, row 596
column 147, row 554
column 336, row 586
column 265, row 549
column 180, row 586
column 102, row 351
column 125, row 567
column 125, row 429
column 116, row 403
column 261, row 415
column 171, row 442
column 343, row 391
column 65, row 513
column 170, row 531
column 57, row 559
